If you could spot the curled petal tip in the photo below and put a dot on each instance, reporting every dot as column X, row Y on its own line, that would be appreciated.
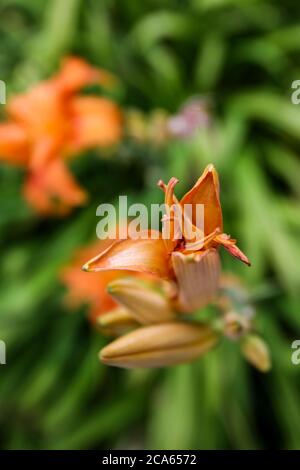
column 210, row 167
column 237, row 253
column 230, row 245
column 85, row 267
column 172, row 182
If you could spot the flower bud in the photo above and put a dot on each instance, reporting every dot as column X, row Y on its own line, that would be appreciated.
column 160, row 345
column 256, row 352
column 116, row 322
column 146, row 304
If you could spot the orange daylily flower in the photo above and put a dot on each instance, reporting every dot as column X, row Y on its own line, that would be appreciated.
column 194, row 265
column 51, row 122
column 76, row 73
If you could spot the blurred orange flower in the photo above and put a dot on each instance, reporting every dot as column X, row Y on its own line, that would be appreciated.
column 51, row 122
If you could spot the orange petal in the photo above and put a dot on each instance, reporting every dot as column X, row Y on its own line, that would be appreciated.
column 53, row 190
column 94, row 122
column 141, row 255
column 14, row 146
column 206, row 192
column 59, row 181
column 43, row 151
column 198, row 278
column 230, row 245
column 76, row 73
column 42, row 113
column 40, row 110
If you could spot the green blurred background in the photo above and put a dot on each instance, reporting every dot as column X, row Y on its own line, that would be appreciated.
column 241, row 54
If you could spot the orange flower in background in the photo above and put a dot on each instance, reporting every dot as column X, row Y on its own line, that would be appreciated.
column 47, row 111
column 76, row 73
column 193, row 264
column 90, row 290
column 51, row 122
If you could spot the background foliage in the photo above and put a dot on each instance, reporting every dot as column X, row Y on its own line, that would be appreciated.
column 243, row 55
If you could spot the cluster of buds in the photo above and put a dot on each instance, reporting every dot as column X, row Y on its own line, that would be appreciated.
column 51, row 123
column 169, row 278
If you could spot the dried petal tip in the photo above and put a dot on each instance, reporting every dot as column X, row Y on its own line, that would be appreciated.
column 160, row 345
column 146, row 304
column 230, row 245
column 161, row 185
column 210, row 167
column 256, row 352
